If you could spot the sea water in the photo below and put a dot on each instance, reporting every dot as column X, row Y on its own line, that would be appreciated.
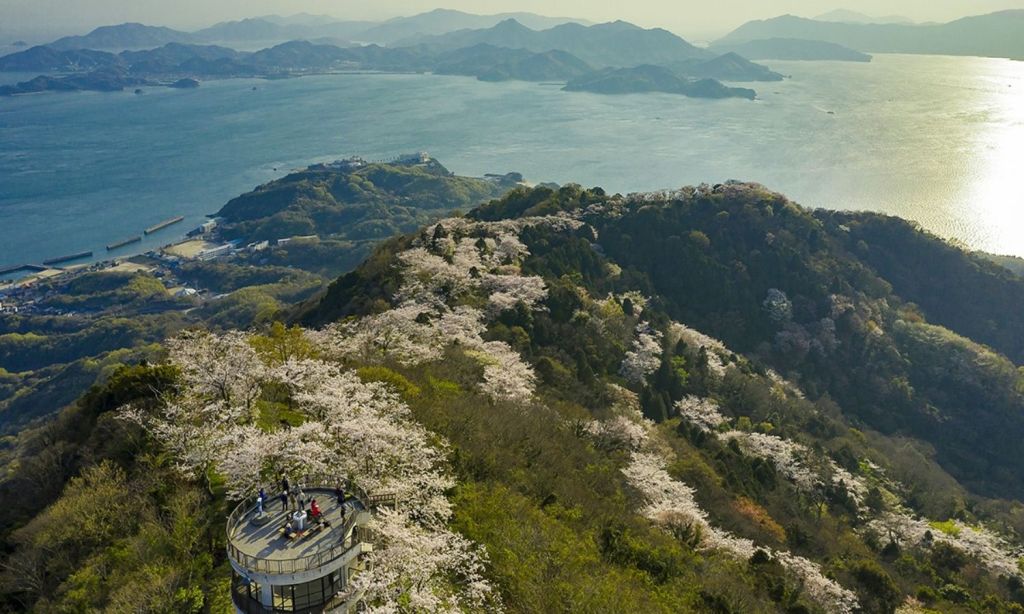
column 939, row 140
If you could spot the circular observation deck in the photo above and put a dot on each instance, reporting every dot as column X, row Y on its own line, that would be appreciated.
column 259, row 546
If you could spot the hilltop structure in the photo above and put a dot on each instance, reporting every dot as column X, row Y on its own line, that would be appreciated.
column 308, row 570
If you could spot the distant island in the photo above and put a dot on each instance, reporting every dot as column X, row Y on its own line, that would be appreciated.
column 730, row 66
column 792, row 49
column 185, row 84
column 654, row 79
column 489, row 63
column 573, row 53
column 102, row 80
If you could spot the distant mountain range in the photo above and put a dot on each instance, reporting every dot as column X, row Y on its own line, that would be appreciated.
column 995, row 35
column 613, row 56
column 274, row 29
column 618, row 44
column 443, row 21
column 105, row 71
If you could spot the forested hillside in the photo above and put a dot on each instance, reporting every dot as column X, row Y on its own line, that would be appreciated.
column 709, row 400
column 364, row 202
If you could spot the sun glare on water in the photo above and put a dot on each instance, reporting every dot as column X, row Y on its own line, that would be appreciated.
column 996, row 192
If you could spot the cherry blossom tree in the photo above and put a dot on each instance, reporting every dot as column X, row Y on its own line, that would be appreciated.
column 508, row 291
column 506, row 376
column 619, row 433
column 224, row 368
column 401, row 334
column 413, row 568
column 702, row 413
column 696, row 339
column 645, row 356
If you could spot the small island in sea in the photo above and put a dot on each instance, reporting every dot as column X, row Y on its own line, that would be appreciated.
column 654, row 79
column 185, row 84
column 729, row 66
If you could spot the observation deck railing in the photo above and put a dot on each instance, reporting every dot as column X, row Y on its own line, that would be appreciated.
column 352, row 536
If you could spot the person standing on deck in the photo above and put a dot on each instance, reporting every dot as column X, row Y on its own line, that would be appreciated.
column 285, row 491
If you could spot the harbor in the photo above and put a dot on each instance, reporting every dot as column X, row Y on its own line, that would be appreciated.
column 51, row 263
column 24, row 288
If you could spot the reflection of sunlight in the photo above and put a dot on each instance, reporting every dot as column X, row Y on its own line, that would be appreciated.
column 997, row 193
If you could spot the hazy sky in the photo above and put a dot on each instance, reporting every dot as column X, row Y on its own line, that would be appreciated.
column 688, row 17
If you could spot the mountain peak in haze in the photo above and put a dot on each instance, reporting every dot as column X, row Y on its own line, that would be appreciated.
column 300, row 19
column 124, row 36
column 510, row 25
column 848, row 16
column 443, row 21
column 619, row 24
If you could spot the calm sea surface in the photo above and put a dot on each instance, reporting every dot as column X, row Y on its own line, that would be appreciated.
column 936, row 139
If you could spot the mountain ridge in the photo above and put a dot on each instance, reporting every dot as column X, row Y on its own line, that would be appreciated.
column 276, row 29
column 992, row 35
column 610, row 44
column 124, row 36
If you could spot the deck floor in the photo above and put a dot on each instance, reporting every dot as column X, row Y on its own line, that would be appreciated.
column 268, row 542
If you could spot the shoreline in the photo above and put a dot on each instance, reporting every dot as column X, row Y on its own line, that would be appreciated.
column 168, row 82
